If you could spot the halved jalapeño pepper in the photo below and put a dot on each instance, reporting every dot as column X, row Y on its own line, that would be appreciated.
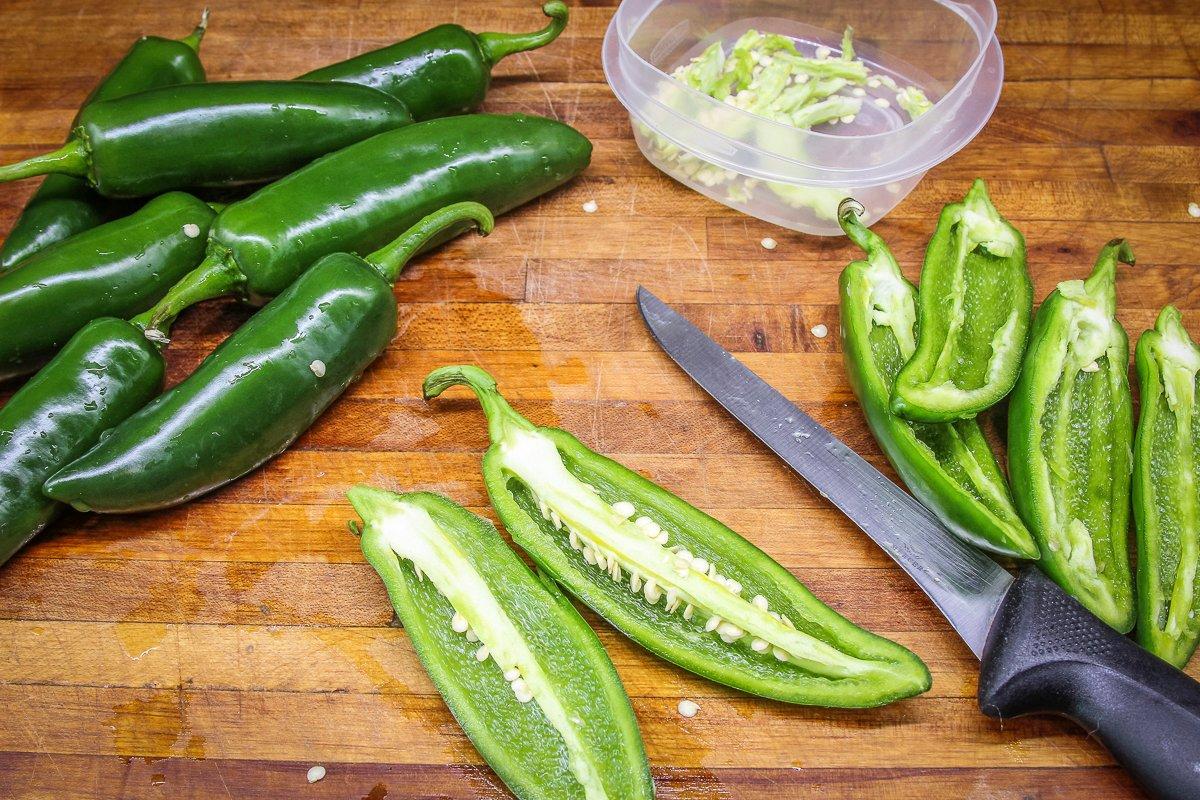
column 1070, row 433
column 670, row 577
column 519, row 668
column 1166, row 491
column 949, row 466
column 975, row 304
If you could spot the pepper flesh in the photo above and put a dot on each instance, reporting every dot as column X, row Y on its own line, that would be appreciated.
column 260, row 389
column 1166, row 482
column 949, row 466
column 976, row 301
column 213, row 134
column 118, row 269
column 525, row 676
column 104, row 373
column 570, row 509
column 444, row 70
column 64, row 206
column 1070, row 433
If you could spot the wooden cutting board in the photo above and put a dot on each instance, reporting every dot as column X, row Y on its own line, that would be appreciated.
column 223, row 648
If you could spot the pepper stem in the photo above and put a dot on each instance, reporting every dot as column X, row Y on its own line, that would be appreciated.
column 496, row 46
column 391, row 258
column 70, row 159
column 1104, row 275
column 216, row 276
column 500, row 415
column 193, row 39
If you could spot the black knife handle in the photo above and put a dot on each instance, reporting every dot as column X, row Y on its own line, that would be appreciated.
column 1046, row 654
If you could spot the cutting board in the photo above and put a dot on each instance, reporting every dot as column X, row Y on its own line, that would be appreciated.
column 223, row 648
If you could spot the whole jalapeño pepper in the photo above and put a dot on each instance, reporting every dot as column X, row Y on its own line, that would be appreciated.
column 673, row 579
column 1166, row 491
column 949, row 466
column 102, row 375
column 1070, row 436
column 63, row 205
column 444, row 70
column 118, row 269
column 261, row 388
column 213, row 134
column 506, row 650
column 973, row 318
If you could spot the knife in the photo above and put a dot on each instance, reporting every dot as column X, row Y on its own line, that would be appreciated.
column 1040, row 650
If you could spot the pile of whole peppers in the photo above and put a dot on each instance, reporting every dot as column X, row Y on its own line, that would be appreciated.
column 925, row 364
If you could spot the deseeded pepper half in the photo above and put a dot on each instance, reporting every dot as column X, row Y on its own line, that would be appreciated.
column 64, row 206
column 1166, row 491
column 949, row 466
column 521, row 671
column 1070, row 436
column 973, row 319
column 673, row 579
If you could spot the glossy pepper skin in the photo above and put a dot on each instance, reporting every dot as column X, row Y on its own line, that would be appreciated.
column 444, row 70
column 1070, row 435
column 949, row 466
column 1166, row 491
column 975, row 304
column 668, row 576
column 563, row 728
column 64, row 206
column 358, row 199
column 213, row 134
column 260, row 389
column 118, row 269
column 106, row 372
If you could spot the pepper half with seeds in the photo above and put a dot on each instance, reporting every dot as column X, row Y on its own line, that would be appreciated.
column 1166, row 491
column 673, row 579
column 949, row 466
column 519, row 668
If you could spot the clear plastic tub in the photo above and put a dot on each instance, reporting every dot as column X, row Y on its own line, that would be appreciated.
column 789, row 176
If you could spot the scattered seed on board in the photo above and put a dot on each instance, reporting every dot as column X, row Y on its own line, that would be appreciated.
column 820, row 331
column 768, row 243
column 688, row 708
column 1194, row 209
column 590, row 206
column 318, row 368
column 316, row 773
column 191, row 230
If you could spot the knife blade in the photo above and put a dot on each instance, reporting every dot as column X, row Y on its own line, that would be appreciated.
column 965, row 585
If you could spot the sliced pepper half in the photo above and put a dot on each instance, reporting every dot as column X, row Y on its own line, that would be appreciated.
column 673, row 579
column 1166, row 483
column 519, row 668
column 949, row 466
column 1070, row 436
column 975, row 305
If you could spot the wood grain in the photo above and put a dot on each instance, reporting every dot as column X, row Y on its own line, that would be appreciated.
column 222, row 648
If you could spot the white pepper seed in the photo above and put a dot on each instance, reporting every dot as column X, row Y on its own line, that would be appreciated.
column 760, row 602
column 758, row 645
column 458, row 623
column 624, row 508
column 482, row 653
column 712, row 624
column 511, row 675
column 688, row 708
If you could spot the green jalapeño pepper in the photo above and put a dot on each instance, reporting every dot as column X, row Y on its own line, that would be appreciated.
column 213, row 134
column 1070, row 434
column 1166, row 491
column 949, row 466
column 358, row 199
column 64, row 206
column 261, row 388
column 445, row 70
column 118, row 269
column 673, row 579
column 974, row 309
column 519, row 668
column 106, row 372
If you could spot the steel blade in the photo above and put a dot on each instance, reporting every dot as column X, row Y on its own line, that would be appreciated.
column 965, row 585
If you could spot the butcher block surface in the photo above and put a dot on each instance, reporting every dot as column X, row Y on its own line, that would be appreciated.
column 220, row 649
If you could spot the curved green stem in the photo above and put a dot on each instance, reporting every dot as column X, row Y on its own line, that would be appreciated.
column 70, row 159
column 391, row 258
column 1104, row 274
column 497, row 410
column 217, row 276
column 193, row 39
column 496, row 46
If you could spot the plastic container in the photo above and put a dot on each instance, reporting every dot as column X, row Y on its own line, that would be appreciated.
column 793, row 177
